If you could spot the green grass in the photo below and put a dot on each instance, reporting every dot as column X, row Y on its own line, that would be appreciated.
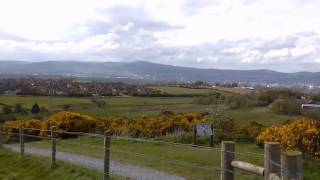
column 233, row 90
column 28, row 101
column 115, row 106
column 193, row 163
column 184, row 91
column 16, row 167
column 133, row 107
column 261, row 115
column 187, row 161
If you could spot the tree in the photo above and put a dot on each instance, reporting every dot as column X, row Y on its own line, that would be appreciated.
column 236, row 102
column 35, row 109
column 199, row 83
column 286, row 106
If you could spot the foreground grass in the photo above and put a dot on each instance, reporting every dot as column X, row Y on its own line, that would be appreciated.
column 15, row 167
column 187, row 161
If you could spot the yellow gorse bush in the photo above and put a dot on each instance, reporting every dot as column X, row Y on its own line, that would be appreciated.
column 302, row 135
column 12, row 127
column 70, row 122
column 161, row 125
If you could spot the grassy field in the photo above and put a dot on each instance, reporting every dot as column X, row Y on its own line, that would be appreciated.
column 187, row 161
column 28, row 101
column 190, row 162
column 132, row 107
column 233, row 90
column 194, row 163
column 261, row 115
column 15, row 167
column 185, row 91
column 193, row 91
column 114, row 106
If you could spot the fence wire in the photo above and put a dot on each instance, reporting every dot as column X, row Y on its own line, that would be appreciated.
column 162, row 166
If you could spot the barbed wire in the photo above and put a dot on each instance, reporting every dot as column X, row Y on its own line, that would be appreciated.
column 248, row 154
column 182, row 163
column 166, row 143
column 198, row 147
column 80, row 144
column 28, row 135
column 81, row 134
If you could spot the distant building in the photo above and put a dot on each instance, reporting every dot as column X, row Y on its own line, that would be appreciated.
column 310, row 105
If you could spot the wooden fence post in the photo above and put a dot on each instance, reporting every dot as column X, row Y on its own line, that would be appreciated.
column 1, row 137
column 21, row 137
column 227, row 156
column 107, row 142
column 211, row 136
column 291, row 165
column 194, row 135
column 272, row 157
column 53, row 145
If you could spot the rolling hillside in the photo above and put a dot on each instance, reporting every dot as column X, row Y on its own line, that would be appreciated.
column 151, row 72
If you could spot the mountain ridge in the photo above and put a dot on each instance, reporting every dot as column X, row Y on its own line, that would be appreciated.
column 154, row 72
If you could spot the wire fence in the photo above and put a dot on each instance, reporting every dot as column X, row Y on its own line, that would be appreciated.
column 131, row 157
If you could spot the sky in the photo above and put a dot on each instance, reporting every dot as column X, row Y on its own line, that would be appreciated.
column 234, row 34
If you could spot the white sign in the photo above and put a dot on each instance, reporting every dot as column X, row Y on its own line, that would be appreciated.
column 204, row 130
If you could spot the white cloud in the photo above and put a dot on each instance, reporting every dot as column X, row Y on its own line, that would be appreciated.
column 96, row 43
column 278, row 53
column 242, row 34
column 236, row 50
column 300, row 51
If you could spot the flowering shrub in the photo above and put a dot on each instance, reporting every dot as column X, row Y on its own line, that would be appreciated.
column 165, row 124
column 13, row 127
column 302, row 135
column 68, row 121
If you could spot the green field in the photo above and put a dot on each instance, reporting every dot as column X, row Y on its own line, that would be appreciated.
column 194, row 163
column 115, row 106
column 28, row 101
column 171, row 90
column 261, row 115
column 185, row 160
column 184, row 91
column 15, row 167
column 132, row 107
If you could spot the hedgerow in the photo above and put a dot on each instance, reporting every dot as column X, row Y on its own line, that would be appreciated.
column 166, row 123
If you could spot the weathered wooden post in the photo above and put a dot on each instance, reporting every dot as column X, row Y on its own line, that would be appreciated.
column 291, row 165
column 107, row 142
column 227, row 156
column 53, row 146
column 1, row 137
column 194, row 135
column 211, row 136
column 211, row 141
column 272, row 159
column 21, row 137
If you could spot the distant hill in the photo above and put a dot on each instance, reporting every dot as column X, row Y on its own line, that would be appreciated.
column 152, row 72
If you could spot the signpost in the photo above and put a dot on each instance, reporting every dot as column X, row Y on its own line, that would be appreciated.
column 203, row 130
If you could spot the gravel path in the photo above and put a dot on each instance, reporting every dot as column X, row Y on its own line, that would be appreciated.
column 124, row 170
